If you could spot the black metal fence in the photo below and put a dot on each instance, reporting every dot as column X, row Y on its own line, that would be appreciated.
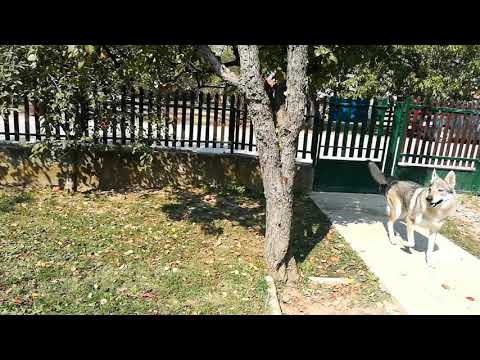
column 178, row 120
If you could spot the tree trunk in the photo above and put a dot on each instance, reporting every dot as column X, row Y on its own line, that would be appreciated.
column 277, row 149
column 277, row 121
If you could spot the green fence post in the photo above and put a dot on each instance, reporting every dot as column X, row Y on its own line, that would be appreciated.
column 400, row 119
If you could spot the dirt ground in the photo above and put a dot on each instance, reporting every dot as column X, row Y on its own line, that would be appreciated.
column 463, row 228
column 331, row 300
column 468, row 214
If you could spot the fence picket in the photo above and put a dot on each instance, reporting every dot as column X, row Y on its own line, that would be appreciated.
column 6, row 124
column 123, row 109
column 175, row 118
column 192, row 119
column 215, row 120
column 113, row 116
column 184, row 115
column 346, row 127
column 150, row 117
column 158, row 140
column 371, row 130
column 231, row 124
column 306, row 123
column 354, row 131
column 200, row 119
column 16, row 128
column 105, row 121
column 244, row 122
column 222, row 130
column 26, row 105
column 132, row 115
column 237, row 122
column 207, row 121
column 250, row 134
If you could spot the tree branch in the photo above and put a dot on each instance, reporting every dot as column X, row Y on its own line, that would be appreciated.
column 235, row 62
column 220, row 69
column 297, row 57
column 111, row 55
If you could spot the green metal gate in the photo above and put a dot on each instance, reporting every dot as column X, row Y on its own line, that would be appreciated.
column 437, row 135
column 351, row 133
column 407, row 139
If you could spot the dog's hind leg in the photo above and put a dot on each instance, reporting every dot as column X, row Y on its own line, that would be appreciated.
column 410, row 233
column 391, row 233
column 393, row 213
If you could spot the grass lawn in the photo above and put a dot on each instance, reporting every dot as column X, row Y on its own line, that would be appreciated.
column 169, row 251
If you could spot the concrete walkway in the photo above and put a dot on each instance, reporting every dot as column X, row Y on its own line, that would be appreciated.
column 361, row 220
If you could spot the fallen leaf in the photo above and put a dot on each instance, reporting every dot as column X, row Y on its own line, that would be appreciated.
column 17, row 301
column 147, row 295
column 470, row 298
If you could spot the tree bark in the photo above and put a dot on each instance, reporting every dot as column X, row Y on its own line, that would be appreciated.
column 276, row 146
column 277, row 150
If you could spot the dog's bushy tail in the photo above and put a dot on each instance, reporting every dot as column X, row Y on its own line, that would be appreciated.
column 384, row 181
column 377, row 174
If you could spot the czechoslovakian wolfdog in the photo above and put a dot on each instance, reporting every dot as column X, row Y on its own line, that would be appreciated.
column 427, row 207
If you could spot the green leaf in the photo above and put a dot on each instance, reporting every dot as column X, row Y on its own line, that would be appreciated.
column 321, row 50
column 32, row 57
column 279, row 75
column 89, row 49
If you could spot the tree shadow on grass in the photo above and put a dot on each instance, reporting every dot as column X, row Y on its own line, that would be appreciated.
column 7, row 203
column 310, row 225
column 206, row 208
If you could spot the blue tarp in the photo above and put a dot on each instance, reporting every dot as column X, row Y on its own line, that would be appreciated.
column 357, row 109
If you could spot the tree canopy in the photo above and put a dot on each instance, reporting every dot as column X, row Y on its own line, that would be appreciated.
column 56, row 74
column 439, row 71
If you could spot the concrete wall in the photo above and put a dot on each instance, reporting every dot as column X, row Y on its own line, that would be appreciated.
column 115, row 167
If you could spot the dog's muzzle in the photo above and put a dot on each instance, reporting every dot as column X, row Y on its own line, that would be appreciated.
column 435, row 204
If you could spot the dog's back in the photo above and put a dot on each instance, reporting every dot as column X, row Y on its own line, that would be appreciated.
column 402, row 192
column 398, row 193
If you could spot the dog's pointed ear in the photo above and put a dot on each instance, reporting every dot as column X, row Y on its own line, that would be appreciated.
column 434, row 175
column 450, row 178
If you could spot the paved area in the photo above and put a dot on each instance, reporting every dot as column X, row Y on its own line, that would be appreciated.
column 453, row 287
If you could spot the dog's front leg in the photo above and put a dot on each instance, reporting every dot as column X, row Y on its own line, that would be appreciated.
column 431, row 245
